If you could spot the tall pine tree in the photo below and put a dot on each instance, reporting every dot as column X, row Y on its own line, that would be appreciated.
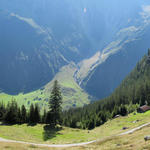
column 31, row 114
column 23, row 114
column 37, row 114
column 55, row 102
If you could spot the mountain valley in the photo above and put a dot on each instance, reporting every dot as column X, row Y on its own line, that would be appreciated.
column 93, row 48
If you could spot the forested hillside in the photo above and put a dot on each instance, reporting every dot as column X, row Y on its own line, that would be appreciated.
column 133, row 91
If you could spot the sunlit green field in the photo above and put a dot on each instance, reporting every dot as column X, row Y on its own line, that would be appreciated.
column 43, row 134
column 27, row 99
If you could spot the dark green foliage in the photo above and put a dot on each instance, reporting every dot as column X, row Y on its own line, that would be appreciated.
column 91, row 124
column 34, row 114
column 2, row 111
column 48, row 118
column 11, row 115
column 19, row 116
column 123, row 111
column 37, row 114
column 44, row 116
column 55, row 102
column 23, row 114
column 31, row 114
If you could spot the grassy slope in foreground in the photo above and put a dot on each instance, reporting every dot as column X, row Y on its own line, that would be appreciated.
column 73, row 95
column 37, row 134
column 133, row 141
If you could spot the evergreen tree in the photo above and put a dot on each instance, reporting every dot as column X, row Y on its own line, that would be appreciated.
column 2, row 111
column 31, row 114
column 19, row 116
column 55, row 102
column 11, row 115
column 49, row 118
column 123, row 110
column 44, row 116
column 91, row 124
column 23, row 114
column 36, row 114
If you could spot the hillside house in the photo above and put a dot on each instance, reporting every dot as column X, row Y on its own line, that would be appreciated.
column 143, row 109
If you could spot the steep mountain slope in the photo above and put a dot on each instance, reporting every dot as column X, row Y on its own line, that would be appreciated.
column 28, row 56
column 102, row 73
column 107, row 76
column 134, row 91
column 136, row 86
column 83, row 27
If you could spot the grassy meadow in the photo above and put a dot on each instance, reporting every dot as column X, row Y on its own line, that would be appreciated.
column 106, row 134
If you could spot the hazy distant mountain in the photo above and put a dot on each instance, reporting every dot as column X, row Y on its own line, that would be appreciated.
column 28, row 56
column 104, row 39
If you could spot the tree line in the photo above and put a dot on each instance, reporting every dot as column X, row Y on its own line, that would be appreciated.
column 13, row 114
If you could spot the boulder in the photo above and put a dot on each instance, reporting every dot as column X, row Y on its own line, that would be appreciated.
column 124, row 128
column 146, row 138
column 117, row 116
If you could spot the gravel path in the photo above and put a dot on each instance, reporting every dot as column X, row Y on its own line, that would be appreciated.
column 135, row 129
column 47, row 145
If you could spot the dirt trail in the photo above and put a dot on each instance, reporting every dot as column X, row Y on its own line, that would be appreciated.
column 135, row 129
column 47, row 145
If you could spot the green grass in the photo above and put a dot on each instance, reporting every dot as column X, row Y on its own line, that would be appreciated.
column 16, row 146
column 115, row 126
column 134, row 141
column 26, row 99
column 37, row 134
column 40, row 134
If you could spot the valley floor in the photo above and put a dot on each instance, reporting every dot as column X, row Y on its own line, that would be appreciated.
column 105, row 134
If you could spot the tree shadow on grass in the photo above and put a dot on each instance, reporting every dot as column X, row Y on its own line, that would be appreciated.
column 50, row 132
column 6, row 124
